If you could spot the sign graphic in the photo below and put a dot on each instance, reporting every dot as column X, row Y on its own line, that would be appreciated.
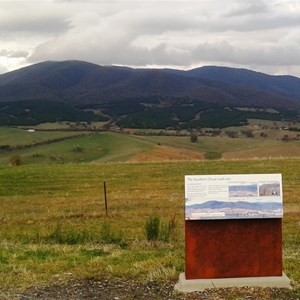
column 252, row 196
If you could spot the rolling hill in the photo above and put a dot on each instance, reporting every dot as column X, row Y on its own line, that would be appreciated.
column 133, row 97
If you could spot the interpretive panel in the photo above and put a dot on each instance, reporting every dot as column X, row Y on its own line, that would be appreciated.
column 245, row 196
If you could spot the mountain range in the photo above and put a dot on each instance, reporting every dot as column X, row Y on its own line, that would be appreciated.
column 144, row 98
column 237, row 205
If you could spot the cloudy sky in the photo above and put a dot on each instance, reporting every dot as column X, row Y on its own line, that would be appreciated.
column 262, row 35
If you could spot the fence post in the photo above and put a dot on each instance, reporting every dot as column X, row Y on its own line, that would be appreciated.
column 105, row 199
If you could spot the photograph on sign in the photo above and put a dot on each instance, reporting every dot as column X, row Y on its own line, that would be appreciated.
column 245, row 196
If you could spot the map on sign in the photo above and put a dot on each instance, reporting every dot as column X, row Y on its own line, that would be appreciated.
column 252, row 196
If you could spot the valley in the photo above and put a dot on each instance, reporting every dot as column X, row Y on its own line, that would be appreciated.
column 61, row 143
column 67, row 129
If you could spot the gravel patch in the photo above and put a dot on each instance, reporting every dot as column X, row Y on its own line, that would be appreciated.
column 120, row 289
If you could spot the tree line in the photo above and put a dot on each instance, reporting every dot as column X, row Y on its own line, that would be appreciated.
column 10, row 148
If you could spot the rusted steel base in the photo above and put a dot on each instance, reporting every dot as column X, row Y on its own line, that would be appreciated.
column 233, row 248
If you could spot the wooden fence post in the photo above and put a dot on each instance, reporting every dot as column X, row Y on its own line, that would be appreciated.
column 105, row 199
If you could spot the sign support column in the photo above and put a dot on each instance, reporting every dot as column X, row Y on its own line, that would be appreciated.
column 233, row 231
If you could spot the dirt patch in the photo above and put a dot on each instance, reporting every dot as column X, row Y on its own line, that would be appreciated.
column 120, row 289
column 164, row 153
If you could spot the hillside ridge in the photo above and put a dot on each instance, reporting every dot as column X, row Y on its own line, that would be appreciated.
column 128, row 94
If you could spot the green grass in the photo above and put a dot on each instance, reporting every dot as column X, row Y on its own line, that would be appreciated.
column 65, row 125
column 230, row 148
column 102, row 147
column 118, row 147
column 14, row 136
column 53, row 220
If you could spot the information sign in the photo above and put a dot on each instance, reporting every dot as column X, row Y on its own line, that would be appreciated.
column 251, row 196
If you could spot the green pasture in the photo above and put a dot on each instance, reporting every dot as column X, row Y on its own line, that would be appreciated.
column 233, row 147
column 120, row 147
column 97, row 147
column 14, row 136
column 53, row 222
column 66, row 125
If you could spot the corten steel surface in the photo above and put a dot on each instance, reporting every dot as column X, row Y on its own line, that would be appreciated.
column 233, row 248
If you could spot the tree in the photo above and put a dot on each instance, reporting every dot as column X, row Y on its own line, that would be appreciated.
column 231, row 134
column 194, row 137
column 248, row 133
column 263, row 135
column 285, row 138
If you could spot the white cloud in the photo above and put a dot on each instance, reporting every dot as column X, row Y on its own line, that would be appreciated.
column 253, row 33
column 2, row 69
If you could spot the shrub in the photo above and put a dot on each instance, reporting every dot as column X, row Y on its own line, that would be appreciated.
column 231, row 134
column 69, row 236
column 15, row 160
column 5, row 148
column 248, row 133
column 212, row 155
column 193, row 138
column 167, row 229
column 109, row 236
column 73, row 236
column 152, row 228
column 78, row 148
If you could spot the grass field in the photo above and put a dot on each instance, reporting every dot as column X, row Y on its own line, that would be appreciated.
column 14, row 136
column 102, row 147
column 53, row 223
column 118, row 147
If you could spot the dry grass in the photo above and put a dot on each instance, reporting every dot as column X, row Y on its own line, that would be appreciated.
column 268, row 149
column 164, row 153
column 52, row 218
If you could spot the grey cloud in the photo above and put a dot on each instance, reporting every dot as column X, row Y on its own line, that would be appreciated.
column 70, row 1
column 162, row 24
column 162, row 33
column 118, row 47
column 221, row 51
column 248, row 9
column 13, row 54
column 79, row 1
column 249, row 23
column 256, row 55
column 155, row 20
column 18, row 54
column 258, row 16
column 161, row 55
column 39, row 25
column 120, row 52
column 4, row 52
column 271, row 22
